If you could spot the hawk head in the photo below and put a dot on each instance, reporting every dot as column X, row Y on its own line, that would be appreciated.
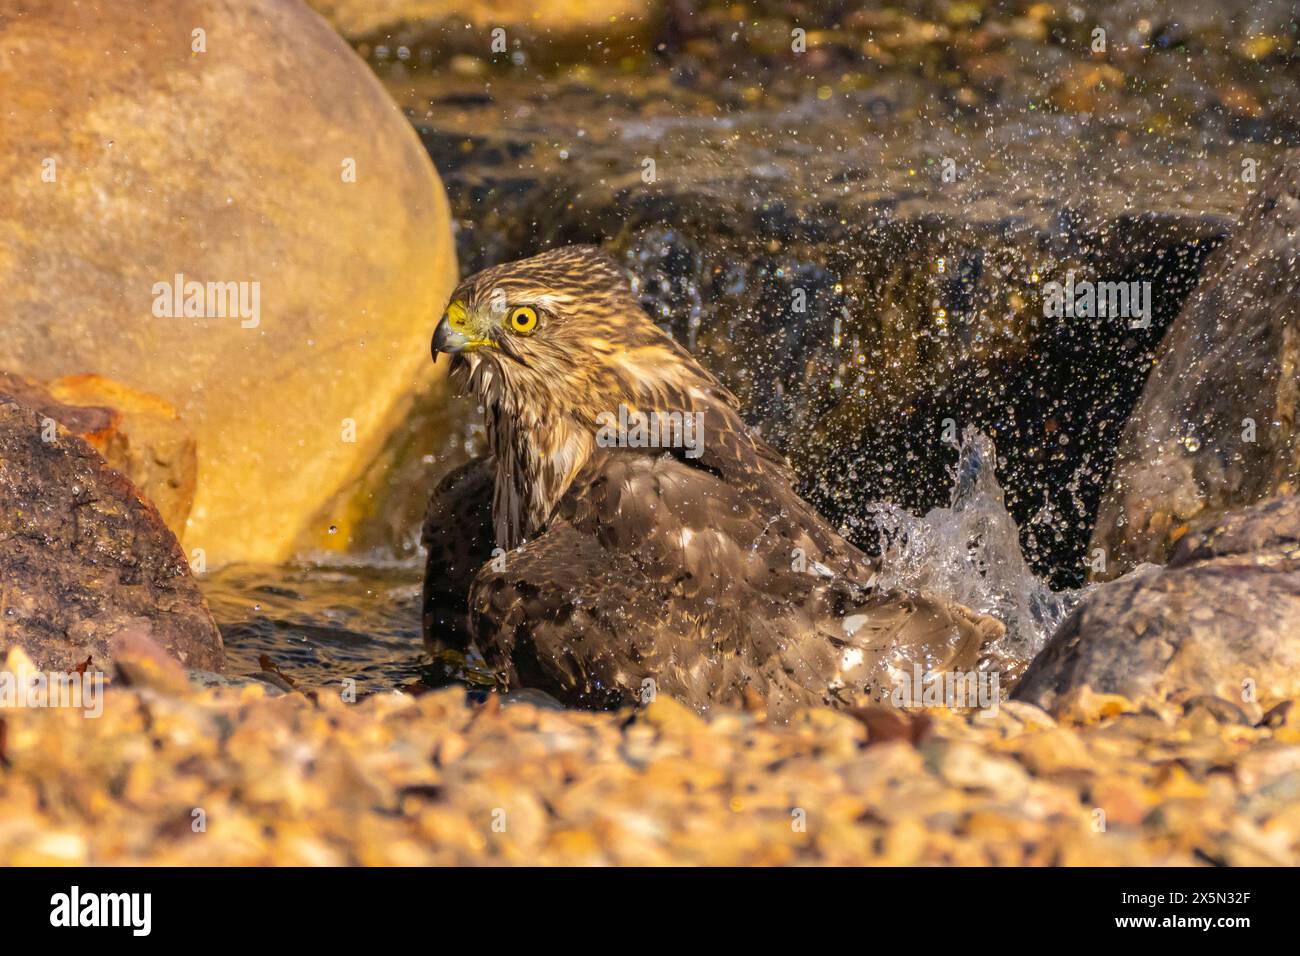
column 548, row 345
column 562, row 329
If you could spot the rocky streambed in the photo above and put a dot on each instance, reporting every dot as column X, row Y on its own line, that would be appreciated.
column 860, row 237
column 252, row 777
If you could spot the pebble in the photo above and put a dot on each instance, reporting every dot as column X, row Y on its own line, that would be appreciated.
column 239, row 776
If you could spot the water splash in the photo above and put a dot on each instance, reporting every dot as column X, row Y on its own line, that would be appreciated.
column 970, row 552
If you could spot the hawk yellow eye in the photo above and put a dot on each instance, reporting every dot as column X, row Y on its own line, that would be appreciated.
column 523, row 319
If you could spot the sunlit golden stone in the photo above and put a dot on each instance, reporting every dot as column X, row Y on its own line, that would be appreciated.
column 555, row 19
column 223, row 162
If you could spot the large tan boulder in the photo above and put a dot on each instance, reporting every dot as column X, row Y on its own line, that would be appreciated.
column 217, row 141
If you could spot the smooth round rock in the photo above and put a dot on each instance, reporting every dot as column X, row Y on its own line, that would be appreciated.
column 243, row 145
column 1221, row 620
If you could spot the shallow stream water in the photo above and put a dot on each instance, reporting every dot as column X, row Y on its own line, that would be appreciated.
column 315, row 626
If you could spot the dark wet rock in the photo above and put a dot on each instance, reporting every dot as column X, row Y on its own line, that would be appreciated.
column 148, row 442
column 1216, row 425
column 1221, row 620
column 84, row 421
column 1270, row 527
column 1220, row 710
column 139, row 434
column 420, row 33
column 85, row 560
column 458, row 540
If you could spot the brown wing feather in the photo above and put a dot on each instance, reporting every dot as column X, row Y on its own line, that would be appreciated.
column 657, row 569
column 458, row 537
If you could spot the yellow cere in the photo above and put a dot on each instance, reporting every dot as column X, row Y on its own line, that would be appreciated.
column 456, row 316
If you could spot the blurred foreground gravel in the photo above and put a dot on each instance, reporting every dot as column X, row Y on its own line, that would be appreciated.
column 246, row 775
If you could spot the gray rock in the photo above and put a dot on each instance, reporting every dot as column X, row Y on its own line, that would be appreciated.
column 1215, row 427
column 1222, row 619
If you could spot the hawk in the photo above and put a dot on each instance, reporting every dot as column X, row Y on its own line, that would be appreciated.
column 628, row 534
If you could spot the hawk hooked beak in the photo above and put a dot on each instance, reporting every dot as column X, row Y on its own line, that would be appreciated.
column 451, row 337
column 447, row 339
